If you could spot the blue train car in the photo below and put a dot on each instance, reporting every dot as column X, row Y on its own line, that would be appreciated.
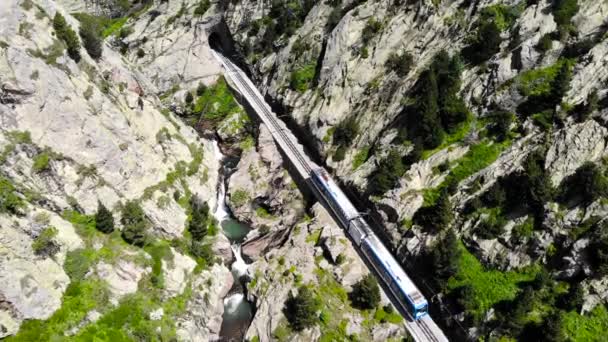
column 400, row 285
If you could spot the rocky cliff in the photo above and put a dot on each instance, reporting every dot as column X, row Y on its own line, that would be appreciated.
column 483, row 119
column 76, row 133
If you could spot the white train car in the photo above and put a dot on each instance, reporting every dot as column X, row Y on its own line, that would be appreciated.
column 398, row 282
column 334, row 196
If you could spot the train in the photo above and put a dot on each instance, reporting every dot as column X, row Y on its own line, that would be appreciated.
column 400, row 285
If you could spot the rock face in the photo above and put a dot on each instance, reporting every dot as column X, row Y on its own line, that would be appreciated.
column 261, row 193
column 75, row 134
column 300, row 261
column 204, row 310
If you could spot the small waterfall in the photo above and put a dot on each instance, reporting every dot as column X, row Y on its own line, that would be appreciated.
column 232, row 302
column 239, row 267
column 221, row 211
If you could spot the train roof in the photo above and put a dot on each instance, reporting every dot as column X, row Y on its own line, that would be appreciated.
column 404, row 282
column 337, row 193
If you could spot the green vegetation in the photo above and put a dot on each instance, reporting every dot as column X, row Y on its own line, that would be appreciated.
column 563, row 11
column 438, row 216
column 371, row 29
column 79, row 262
column 79, row 298
column 134, row 224
column 64, row 32
column 360, row 157
column 400, row 63
column 199, row 219
column 387, row 175
column 104, row 221
column 301, row 309
column 500, row 125
column 314, row 237
column 202, row 7
column 387, row 314
column 538, row 81
column 445, row 257
column 44, row 244
column 590, row 327
column 437, row 109
column 159, row 251
column 484, row 45
column 91, row 32
column 41, row 162
column 281, row 22
column 545, row 43
column 504, row 16
column 216, row 102
column 50, row 53
column 240, row 197
column 302, row 78
column 10, row 202
column 365, row 293
column 486, row 287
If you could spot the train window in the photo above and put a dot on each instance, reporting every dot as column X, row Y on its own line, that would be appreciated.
column 423, row 310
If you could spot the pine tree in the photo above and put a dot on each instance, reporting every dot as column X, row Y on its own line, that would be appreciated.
column 91, row 39
column 199, row 220
column 69, row 37
column 134, row 224
column 300, row 310
column 561, row 83
column 446, row 258
column 366, row 293
column 104, row 221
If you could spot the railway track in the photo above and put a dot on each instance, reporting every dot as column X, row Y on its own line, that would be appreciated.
column 423, row 329
column 268, row 115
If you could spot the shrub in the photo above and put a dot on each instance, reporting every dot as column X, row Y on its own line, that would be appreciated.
column 200, row 89
column 400, row 63
column 491, row 227
column 438, row 216
column 563, row 11
column 44, row 243
column 301, row 78
column 91, row 38
column 69, row 37
column 202, row 7
column 188, row 98
column 485, row 44
column 78, row 263
column 501, row 124
column 203, row 252
column 346, row 132
column 41, row 162
column 301, row 309
column 141, row 54
column 387, row 174
column 372, row 27
column 545, row 43
column 134, row 224
column 104, row 221
column 365, row 293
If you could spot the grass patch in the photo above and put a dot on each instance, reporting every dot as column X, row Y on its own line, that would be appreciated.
column 538, row 81
column 591, row 327
column 301, row 78
column 382, row 315
column 360, row 157
column 216, row 102
column 476, row 159
column 263, row 213
column 79, row 298
column 457, row 135
column 314, row 237
column 41, row 162
column 489, row 286
column 240, row 197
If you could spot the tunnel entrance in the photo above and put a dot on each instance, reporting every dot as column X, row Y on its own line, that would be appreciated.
column 215, row 42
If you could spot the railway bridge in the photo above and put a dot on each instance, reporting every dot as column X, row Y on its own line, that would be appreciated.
column 422, row 330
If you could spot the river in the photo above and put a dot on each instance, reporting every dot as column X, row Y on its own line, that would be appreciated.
column 238, row 312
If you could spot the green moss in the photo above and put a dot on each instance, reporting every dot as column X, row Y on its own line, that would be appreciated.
column 263, row 213
column 314, row 237
column 538, row 81
column 360, row 157
column 79, row 298
column 489, row 286
column 240, row 197
column 41, row 162
column 591, row 327
column 301, row 78
column 216, row 102
column 476, row 159
column 504, row 16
